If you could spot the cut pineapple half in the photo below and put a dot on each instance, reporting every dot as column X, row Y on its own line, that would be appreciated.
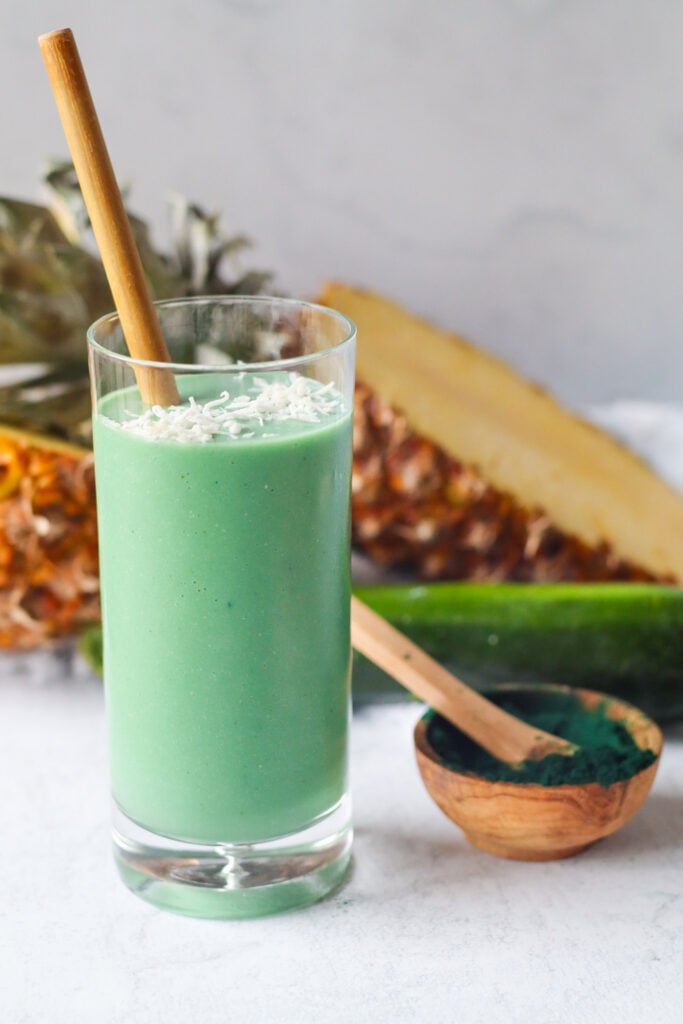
column 519, row 438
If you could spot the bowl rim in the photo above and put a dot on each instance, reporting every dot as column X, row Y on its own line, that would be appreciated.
column 423, row 746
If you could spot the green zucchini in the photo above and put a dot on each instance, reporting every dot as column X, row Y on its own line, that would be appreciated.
column 621, row 638
column 624, row 639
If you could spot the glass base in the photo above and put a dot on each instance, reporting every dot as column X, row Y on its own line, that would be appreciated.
column 235, row 880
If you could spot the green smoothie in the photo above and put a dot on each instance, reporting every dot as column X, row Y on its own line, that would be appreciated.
column 225, row 574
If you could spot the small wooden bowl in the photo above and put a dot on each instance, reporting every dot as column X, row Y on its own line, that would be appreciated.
column 532, row 822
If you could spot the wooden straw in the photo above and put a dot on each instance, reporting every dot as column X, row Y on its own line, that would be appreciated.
column 503, row 735
column 108, row 217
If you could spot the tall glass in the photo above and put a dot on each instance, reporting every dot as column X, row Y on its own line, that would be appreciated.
column 224, row 544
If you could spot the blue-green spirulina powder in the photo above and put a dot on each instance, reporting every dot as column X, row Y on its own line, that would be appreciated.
column 607, row 752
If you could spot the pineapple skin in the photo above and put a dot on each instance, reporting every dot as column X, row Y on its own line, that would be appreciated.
column 49, row 584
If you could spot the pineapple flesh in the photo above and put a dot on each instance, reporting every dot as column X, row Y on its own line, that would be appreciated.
column 464, row 470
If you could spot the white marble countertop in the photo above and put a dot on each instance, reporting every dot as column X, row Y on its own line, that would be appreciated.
column 427, row 928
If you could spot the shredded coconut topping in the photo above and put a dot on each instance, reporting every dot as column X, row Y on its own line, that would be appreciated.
column 300, row 399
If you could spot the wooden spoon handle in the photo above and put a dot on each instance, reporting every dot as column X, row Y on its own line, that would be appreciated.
column 108, row 217
column 503, row 735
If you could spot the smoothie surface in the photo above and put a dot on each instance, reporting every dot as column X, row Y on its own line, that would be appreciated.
column 234, row 408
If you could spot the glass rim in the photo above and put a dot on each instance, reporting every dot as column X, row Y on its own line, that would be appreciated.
column 195, row 300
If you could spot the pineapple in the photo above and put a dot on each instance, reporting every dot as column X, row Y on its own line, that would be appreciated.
column 51, row 289
column 464, row 470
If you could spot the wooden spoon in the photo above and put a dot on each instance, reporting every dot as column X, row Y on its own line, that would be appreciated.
column 108, row 217
column 506, row 737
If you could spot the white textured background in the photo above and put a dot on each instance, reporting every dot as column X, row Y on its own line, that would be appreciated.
column 512, row 168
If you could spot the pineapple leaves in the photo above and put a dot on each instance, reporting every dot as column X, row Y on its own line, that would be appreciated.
column 52, row 287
